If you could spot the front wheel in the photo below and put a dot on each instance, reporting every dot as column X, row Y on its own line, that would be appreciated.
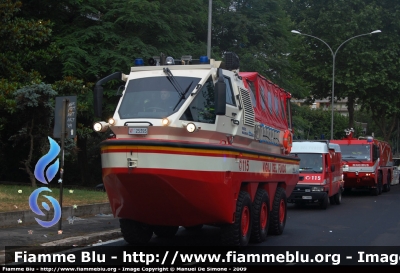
column 238, row 233
column 260, row 217
column 278, row 213
column 135, row 232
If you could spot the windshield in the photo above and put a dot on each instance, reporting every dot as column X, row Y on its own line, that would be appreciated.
column 358, row 152
column 310, row 163
column 154, row 97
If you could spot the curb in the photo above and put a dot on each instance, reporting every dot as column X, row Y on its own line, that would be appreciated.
column 10, row 219
column 71, row 242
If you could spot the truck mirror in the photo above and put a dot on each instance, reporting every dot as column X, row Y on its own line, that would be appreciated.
column 98, row 100
column 220, row 94
column 332, row 168
column 376, row 153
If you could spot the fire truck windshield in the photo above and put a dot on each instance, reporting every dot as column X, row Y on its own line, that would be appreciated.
column 310, row 163
column 154, row 97
column 359, row 152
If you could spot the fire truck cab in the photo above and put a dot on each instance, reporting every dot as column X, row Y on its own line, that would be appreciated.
column 196, row 143
column 367, row 163
column 321, row 173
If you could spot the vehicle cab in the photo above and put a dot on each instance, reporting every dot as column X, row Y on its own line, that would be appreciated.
column 320, row 171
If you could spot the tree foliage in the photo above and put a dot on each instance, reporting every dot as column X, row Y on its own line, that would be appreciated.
column 35, row 108
column 363, row 66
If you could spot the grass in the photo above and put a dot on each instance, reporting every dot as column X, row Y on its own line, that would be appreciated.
column 13, row 200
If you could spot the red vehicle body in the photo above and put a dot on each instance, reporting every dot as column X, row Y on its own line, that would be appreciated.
column 367, row 163
column 216, row 158
column 321, row 173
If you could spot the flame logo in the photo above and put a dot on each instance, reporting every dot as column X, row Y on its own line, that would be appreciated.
column 45, row 160
column 35, row 208
column 50, row 174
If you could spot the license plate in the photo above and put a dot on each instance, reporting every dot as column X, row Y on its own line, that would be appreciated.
column 306, row 197
column 137, row 131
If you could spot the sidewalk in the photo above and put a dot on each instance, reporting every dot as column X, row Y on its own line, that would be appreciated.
column 79, row 230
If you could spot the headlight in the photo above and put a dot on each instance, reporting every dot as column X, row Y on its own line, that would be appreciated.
column 317, row 189
column 111, row 121
column 191, row 127
column 165, row 121
column 101, row 126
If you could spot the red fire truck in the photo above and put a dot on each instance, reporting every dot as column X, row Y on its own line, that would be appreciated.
column 367, row 163
column 321, row 173
column 194, row 144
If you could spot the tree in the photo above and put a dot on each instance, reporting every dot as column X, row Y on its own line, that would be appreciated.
column 364, row 66
column 35, row 109
column 256, row 30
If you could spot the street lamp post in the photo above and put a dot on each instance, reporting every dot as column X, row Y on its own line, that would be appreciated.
column 333, row 66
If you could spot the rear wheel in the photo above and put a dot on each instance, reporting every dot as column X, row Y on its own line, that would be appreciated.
column 165, row 231
column 135, row 232
column 278, row 213
column 238, row 233
column 260, row 217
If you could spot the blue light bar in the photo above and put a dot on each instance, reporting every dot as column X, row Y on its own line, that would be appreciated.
column 203, row 59
column 139, row 62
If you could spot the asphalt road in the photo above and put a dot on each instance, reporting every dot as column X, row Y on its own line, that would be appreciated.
column 361, row 221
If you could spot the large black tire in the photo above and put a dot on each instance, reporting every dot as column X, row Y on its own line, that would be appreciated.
column 261, row 213
column 323, row 203
column 135, row 232
column 380, row 183
column 165, row 231
column 279, row 213
column 238, row 233
column 338, row 197
column 386, row 187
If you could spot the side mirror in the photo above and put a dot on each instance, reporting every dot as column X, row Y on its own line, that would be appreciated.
column 332, row 168
column 220, row 94
column 375, row 153
column 98, row 100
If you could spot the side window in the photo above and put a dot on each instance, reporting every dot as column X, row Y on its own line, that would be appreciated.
column 252, row 93
column 229, row 93
column 276, row 107
column 269, row 101
column 282, row 110
column 262, row 95
column 202, row 107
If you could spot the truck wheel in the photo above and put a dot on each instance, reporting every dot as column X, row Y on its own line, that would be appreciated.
column 135, row 232
column 278, row 213
column 165, row 231
column 323, row 203
column 238, row 233
column 338, row 197
column 260, row 217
